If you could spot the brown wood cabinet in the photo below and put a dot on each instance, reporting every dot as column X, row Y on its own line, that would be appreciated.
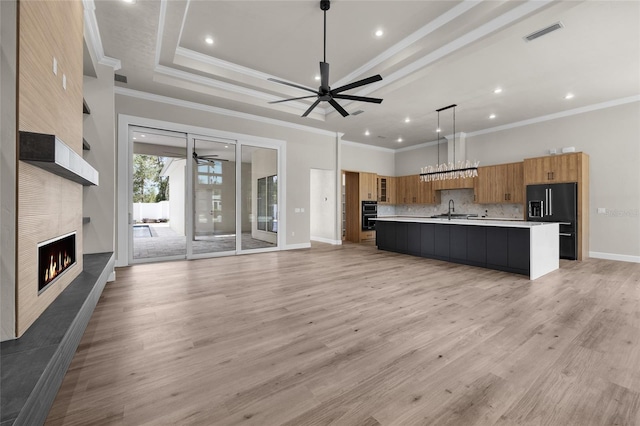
column 410, row 190
column 553, row 168
column 387, row 190
column 502, row 183
column 368, row 186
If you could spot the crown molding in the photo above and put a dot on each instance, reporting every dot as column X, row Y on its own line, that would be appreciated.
column 123, row 91
column 495, row 24
column 562, row 114
column 230, row 66
column 421, row 33
column 92, row 36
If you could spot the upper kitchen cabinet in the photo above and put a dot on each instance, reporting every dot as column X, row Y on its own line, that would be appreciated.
column 387, row 190
column 503, row 183
column 410, row 190
column 554, row 168
column 368, row 187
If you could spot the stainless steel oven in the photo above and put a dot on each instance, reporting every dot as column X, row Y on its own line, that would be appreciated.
column 369, row 212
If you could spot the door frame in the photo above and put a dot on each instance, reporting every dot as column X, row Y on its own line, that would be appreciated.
column 124, row 195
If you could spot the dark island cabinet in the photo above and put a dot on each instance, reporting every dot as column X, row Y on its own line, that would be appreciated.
column 502, row 248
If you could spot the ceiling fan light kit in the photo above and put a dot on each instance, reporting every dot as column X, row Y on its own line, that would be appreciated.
column 324, row 92
column 452, row 170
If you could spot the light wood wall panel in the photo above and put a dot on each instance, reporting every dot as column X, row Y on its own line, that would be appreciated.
column 48, row 205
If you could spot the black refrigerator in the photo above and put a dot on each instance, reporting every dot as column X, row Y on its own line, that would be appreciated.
column 556, row 202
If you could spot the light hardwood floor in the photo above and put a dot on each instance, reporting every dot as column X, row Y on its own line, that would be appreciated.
column 355, row 336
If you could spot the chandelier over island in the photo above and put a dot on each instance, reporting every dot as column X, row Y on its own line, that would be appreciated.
column 451, row 170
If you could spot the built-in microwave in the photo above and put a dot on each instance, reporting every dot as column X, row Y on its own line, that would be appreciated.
column 369, row 214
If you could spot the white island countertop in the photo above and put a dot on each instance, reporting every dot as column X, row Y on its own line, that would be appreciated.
column 509, row 223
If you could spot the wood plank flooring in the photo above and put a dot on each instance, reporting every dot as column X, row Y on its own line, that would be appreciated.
column 355, row 336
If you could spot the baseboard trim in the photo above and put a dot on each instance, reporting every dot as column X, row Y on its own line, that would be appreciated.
column 614, row 256
column 327, row 241
column 297, row 246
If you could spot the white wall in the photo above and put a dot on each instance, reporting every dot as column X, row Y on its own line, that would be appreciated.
column 322, row 208
column 358, row 157
column 99, row 202
column 305, row 149
column 7, row 169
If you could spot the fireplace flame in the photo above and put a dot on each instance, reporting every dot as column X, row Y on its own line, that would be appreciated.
column 56, row 266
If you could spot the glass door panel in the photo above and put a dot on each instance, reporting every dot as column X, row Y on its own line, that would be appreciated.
column 214, row 197
column 259, row 198
column 157, row 229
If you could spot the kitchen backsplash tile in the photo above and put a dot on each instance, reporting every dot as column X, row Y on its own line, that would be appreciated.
column 463, row 199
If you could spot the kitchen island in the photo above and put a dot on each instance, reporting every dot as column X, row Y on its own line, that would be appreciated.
column 528, row 248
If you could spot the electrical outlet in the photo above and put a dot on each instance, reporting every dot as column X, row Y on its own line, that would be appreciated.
column 301, row 209
column 55, row 66
column 602, row 210
column 297, row 210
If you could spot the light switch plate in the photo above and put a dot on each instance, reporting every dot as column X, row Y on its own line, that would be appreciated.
column 602, row 210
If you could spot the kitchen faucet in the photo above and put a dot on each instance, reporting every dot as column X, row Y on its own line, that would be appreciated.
column 452, row 208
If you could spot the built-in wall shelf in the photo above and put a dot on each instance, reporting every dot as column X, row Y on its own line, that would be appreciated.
column 49, row 153
column 85, row 145
column 86, row 220
column 85, row 107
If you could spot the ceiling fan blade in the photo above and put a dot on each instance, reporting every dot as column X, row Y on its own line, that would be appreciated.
column 293, row 99
column 338, row 108
column 359, row 98
column 315, row 104
column 324, row 76
column 358, row 83
column 293, row 85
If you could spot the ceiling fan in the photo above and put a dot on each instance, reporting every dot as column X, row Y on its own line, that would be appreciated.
column 324, row 92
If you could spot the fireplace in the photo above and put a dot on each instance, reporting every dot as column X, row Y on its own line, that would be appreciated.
column 55, row 256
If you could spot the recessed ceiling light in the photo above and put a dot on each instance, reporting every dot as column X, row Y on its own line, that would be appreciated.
column 134, row 138
column 568, row 96
column 492, row 116
column 379, row 33
column 144, row 136
column 366, row 133
column 438, row 130
column 399, row 139
column 317, row 78
column 209, row 40
column 226, row 146
column 407, row 120
column 497, row 90
column 130, row 1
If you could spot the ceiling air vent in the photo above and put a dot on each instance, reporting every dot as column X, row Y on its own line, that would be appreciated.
column 382, row 137
column 358, row 112
column 544, row 31
column 120, row 78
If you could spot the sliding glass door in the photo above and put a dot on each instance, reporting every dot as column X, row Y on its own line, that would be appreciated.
column 214, row 187
column 196, row 196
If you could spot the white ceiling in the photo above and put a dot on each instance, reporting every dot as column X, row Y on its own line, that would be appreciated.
column 433, row 54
